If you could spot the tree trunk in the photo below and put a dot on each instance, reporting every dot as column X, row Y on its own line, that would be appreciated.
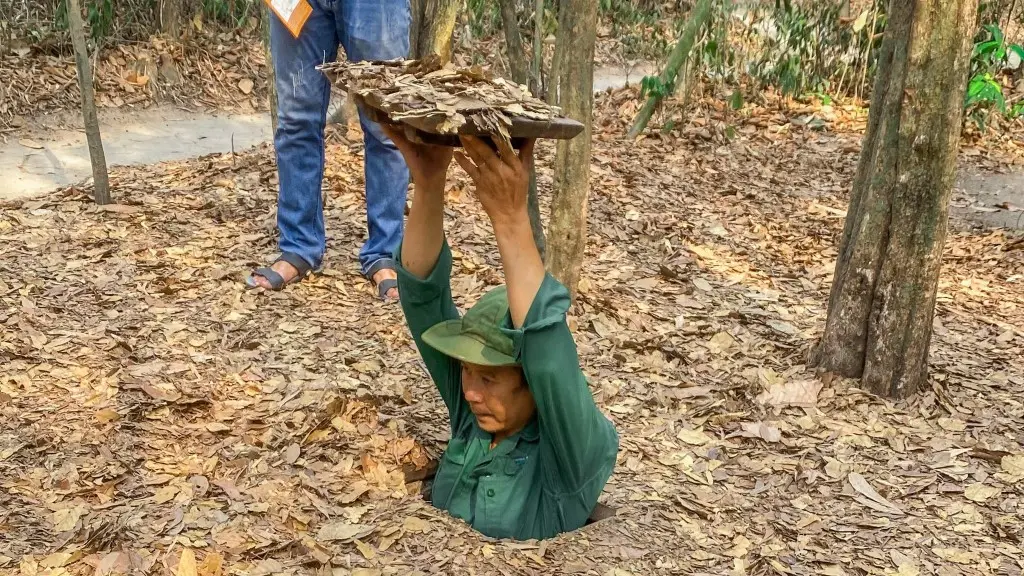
column 101, row 185
column 555, row 72
column 416, row 11
column 698, row 18
column 577, row 31
column 436, row 26
column 520, row 69
column 271, row 76
column 883, row 295
column 170, row 17
column 538, row 49
column 518, row 65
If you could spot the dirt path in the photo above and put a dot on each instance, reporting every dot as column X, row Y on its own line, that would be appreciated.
column 52, row 152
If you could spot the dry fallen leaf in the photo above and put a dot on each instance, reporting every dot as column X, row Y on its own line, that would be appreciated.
column 343, row 532
column 800, row 393
column 872, row 498
column 761, row 430
column 1013, row 464
column 353, row 492
column 956, row 555
column 979, row 492
column 291, row 454
column 414, row 524
column 107, row 415
column 187, row 564
column 212, row 565
column 29, row 143
column 368, row 551
column 694, row 437
column 245, row 85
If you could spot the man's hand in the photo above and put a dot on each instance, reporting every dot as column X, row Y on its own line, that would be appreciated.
column 502, row 179
column 502, row 185
column 428, row 164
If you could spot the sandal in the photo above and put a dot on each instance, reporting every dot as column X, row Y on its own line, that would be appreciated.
column 385, row 285
column 277, row 282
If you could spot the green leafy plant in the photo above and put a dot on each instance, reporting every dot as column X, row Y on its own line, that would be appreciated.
column 99, row 17
column 803, row 48
column 639, row 26
column 229, row 12
column 985, row 90
column 653, row 86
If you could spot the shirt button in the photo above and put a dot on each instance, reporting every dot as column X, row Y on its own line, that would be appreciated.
column 490, row 493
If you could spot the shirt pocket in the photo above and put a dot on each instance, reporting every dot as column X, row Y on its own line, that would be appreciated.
column 502, row 497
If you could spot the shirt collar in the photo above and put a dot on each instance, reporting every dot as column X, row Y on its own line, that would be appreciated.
column 529, row 433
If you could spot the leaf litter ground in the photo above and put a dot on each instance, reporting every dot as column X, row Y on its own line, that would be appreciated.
column 159, row 418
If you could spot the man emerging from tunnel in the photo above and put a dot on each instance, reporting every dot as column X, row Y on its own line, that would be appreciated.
column 530, row 452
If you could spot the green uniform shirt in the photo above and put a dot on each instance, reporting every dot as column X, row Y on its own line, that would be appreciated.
column 545, row 479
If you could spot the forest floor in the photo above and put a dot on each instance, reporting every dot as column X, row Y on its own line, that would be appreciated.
column 159, row 418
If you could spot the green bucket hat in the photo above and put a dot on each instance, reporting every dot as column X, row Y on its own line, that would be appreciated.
column 476, row 337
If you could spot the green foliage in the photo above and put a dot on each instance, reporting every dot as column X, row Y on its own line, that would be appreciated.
column 807, row 48
column 233, row 13
column 99, row 17
column 639, row 27
column 652, row 86
column 484, row 17
column 989, row 59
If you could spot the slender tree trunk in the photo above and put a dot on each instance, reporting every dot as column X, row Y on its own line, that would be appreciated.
column 170, row 17
column 883, row 295
column 101, row 184
column 555, row 72
column 538, row 49
column 577, row 31
column 520, row 68
column 271, row 75
column 416, row 10
column 436, row 26
column 698, row 18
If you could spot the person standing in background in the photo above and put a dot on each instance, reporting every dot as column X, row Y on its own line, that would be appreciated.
column 367, row 30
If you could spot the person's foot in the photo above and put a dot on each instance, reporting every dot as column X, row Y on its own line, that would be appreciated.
column 286, row 270
column 386, row 274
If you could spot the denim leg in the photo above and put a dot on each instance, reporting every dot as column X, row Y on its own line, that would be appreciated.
column 379, row 30
column 303, row 93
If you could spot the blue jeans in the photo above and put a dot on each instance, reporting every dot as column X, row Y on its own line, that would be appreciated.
column 368, row 30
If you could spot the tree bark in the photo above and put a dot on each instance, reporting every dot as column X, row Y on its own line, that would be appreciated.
column 555, row 71
column 416, row 11
column 577, row 31
column 170, row 17
column 883, row 294
column 518, row 65
column 101, row 184
column 538, row 49
column 271, row 75
column 700, row 15
column 436, row 26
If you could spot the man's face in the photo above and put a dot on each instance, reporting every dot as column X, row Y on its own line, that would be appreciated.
column 498, row 397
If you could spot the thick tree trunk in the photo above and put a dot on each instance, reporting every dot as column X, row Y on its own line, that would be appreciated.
column 883, row 295
column 170, row 17
column 577, row 31
column 680, row 53
column 101, row 184
column 436, row 24
column 271, row 76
